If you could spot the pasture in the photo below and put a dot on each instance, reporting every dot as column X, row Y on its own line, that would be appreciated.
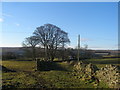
column 23, row 75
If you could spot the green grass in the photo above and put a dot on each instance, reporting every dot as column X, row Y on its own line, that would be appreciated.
column 18, row 80
column 30, row 79
column 26, row 77
column 20, row 65
column 103, row 61
column 62, row 79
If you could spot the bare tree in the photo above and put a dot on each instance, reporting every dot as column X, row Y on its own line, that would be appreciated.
column 31, row 42
column 51, row 38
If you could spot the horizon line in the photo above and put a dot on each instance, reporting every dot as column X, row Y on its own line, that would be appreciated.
column 68, row 47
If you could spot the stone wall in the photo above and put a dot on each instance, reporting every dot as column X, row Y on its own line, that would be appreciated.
column 44, row 65
column 86, row 71
column 109, row 74
column 48, row 65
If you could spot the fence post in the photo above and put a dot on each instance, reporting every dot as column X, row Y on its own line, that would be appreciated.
column 36, row 64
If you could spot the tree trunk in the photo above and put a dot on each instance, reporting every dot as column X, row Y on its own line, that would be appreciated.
column 63, row 51
column 52, row 56
column 34, row 53
column 46, row 52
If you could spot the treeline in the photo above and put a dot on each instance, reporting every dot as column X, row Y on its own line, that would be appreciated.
column 67, row 54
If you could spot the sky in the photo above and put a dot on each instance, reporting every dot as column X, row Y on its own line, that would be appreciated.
column 60, row 0
column 96, row 22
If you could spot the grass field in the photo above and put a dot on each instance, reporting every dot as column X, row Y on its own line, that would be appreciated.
column 25, row 76
column 103, row 62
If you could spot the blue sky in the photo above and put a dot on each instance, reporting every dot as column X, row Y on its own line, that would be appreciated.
column 97, row 23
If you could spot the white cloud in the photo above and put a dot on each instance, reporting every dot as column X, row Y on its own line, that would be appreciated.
column 17, row 24
column 1, row 20
column 70, row 46
column 85, row 39
column 7, row 15
column 102, row 48
column 10, row 45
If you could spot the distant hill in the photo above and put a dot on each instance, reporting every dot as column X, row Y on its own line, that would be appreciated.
column 19, row 50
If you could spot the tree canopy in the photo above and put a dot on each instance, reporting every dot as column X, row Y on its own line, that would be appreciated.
column 50, row 37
